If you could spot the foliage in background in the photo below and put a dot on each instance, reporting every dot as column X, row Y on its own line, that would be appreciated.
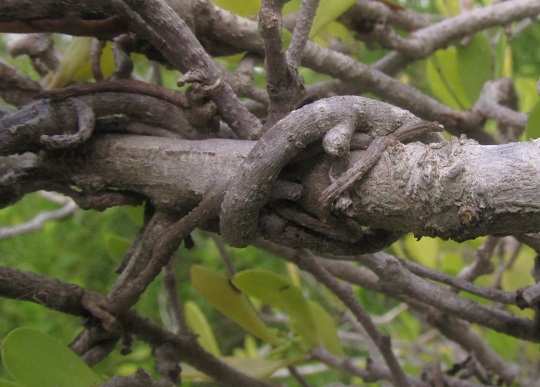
column 86, row 248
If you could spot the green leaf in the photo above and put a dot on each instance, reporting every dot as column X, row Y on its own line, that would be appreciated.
column 328, row 11
column 219, row 291
column 443, row 79
column 326, row 329
column 245, row 8
column 197, row 322
column 424, row 251
column 282, row 294
column 7, row 383
column 532, row 130
column 116, row 246
column 506, row 346
column 256, row 368
column 474, row 64
column 35, row 359
column 527, row 94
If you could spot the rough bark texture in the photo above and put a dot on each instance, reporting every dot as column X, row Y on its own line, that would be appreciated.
column 294, row 170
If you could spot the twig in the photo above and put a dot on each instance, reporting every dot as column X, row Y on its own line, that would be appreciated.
column 482, row 264
column 282, row 81
column 506, row 265
column 96, row 50
column 131, row 86
column 425, row 41
column 169, row 33
column 225, row 256
column 171, row 287
column 305, row 261
column 161, row 240
column 493, row 103
column 395, row 279
column 15, row 87
column 67, row 298
column 492, row 294
column 306, row 14
column 37, row 224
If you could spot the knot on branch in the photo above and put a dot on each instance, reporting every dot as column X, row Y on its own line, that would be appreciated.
column 336, row 119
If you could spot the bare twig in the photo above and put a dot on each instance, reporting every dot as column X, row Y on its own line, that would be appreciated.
column 307, row 12
column 425, row 41
column 171, row 287
column 306, row 262
column 37, row 224
column 482, row 264
column 225, row 256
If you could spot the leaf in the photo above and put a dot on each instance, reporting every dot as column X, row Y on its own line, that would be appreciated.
column 532, row 130
column 35, row 359
column 217, row 289
column 116, row 246
column 245, row 8
column 424, row 251
column 326, row 329
column 448, row 7
column 474, row 63
column 282, row 294
column 527, row 94
column 328, row 11
column 76, row 56
column 501, row 50
column 75, row 64
column 256, row 368
column 444, row 81
column 7, row 383
column 197, row 322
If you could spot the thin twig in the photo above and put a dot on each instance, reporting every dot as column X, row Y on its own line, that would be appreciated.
column 38, row 222
column 225, row 256
column 306, row 14
column 345, row 293
column 171, row 287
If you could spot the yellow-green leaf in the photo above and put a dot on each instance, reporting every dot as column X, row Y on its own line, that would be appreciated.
column 328, row 11
column 526, row 91
column 282, row 294
column 75, row 64
column 197, row 322
column 533, row 123
column 244, row 8
column 424, row 251
column 448, row 7
column 256, row 368
column 76, row 56
column 35, row 359
column 219, row 291
column 326, row 329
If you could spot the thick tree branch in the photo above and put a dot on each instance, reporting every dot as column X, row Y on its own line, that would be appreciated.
column 457, row 189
